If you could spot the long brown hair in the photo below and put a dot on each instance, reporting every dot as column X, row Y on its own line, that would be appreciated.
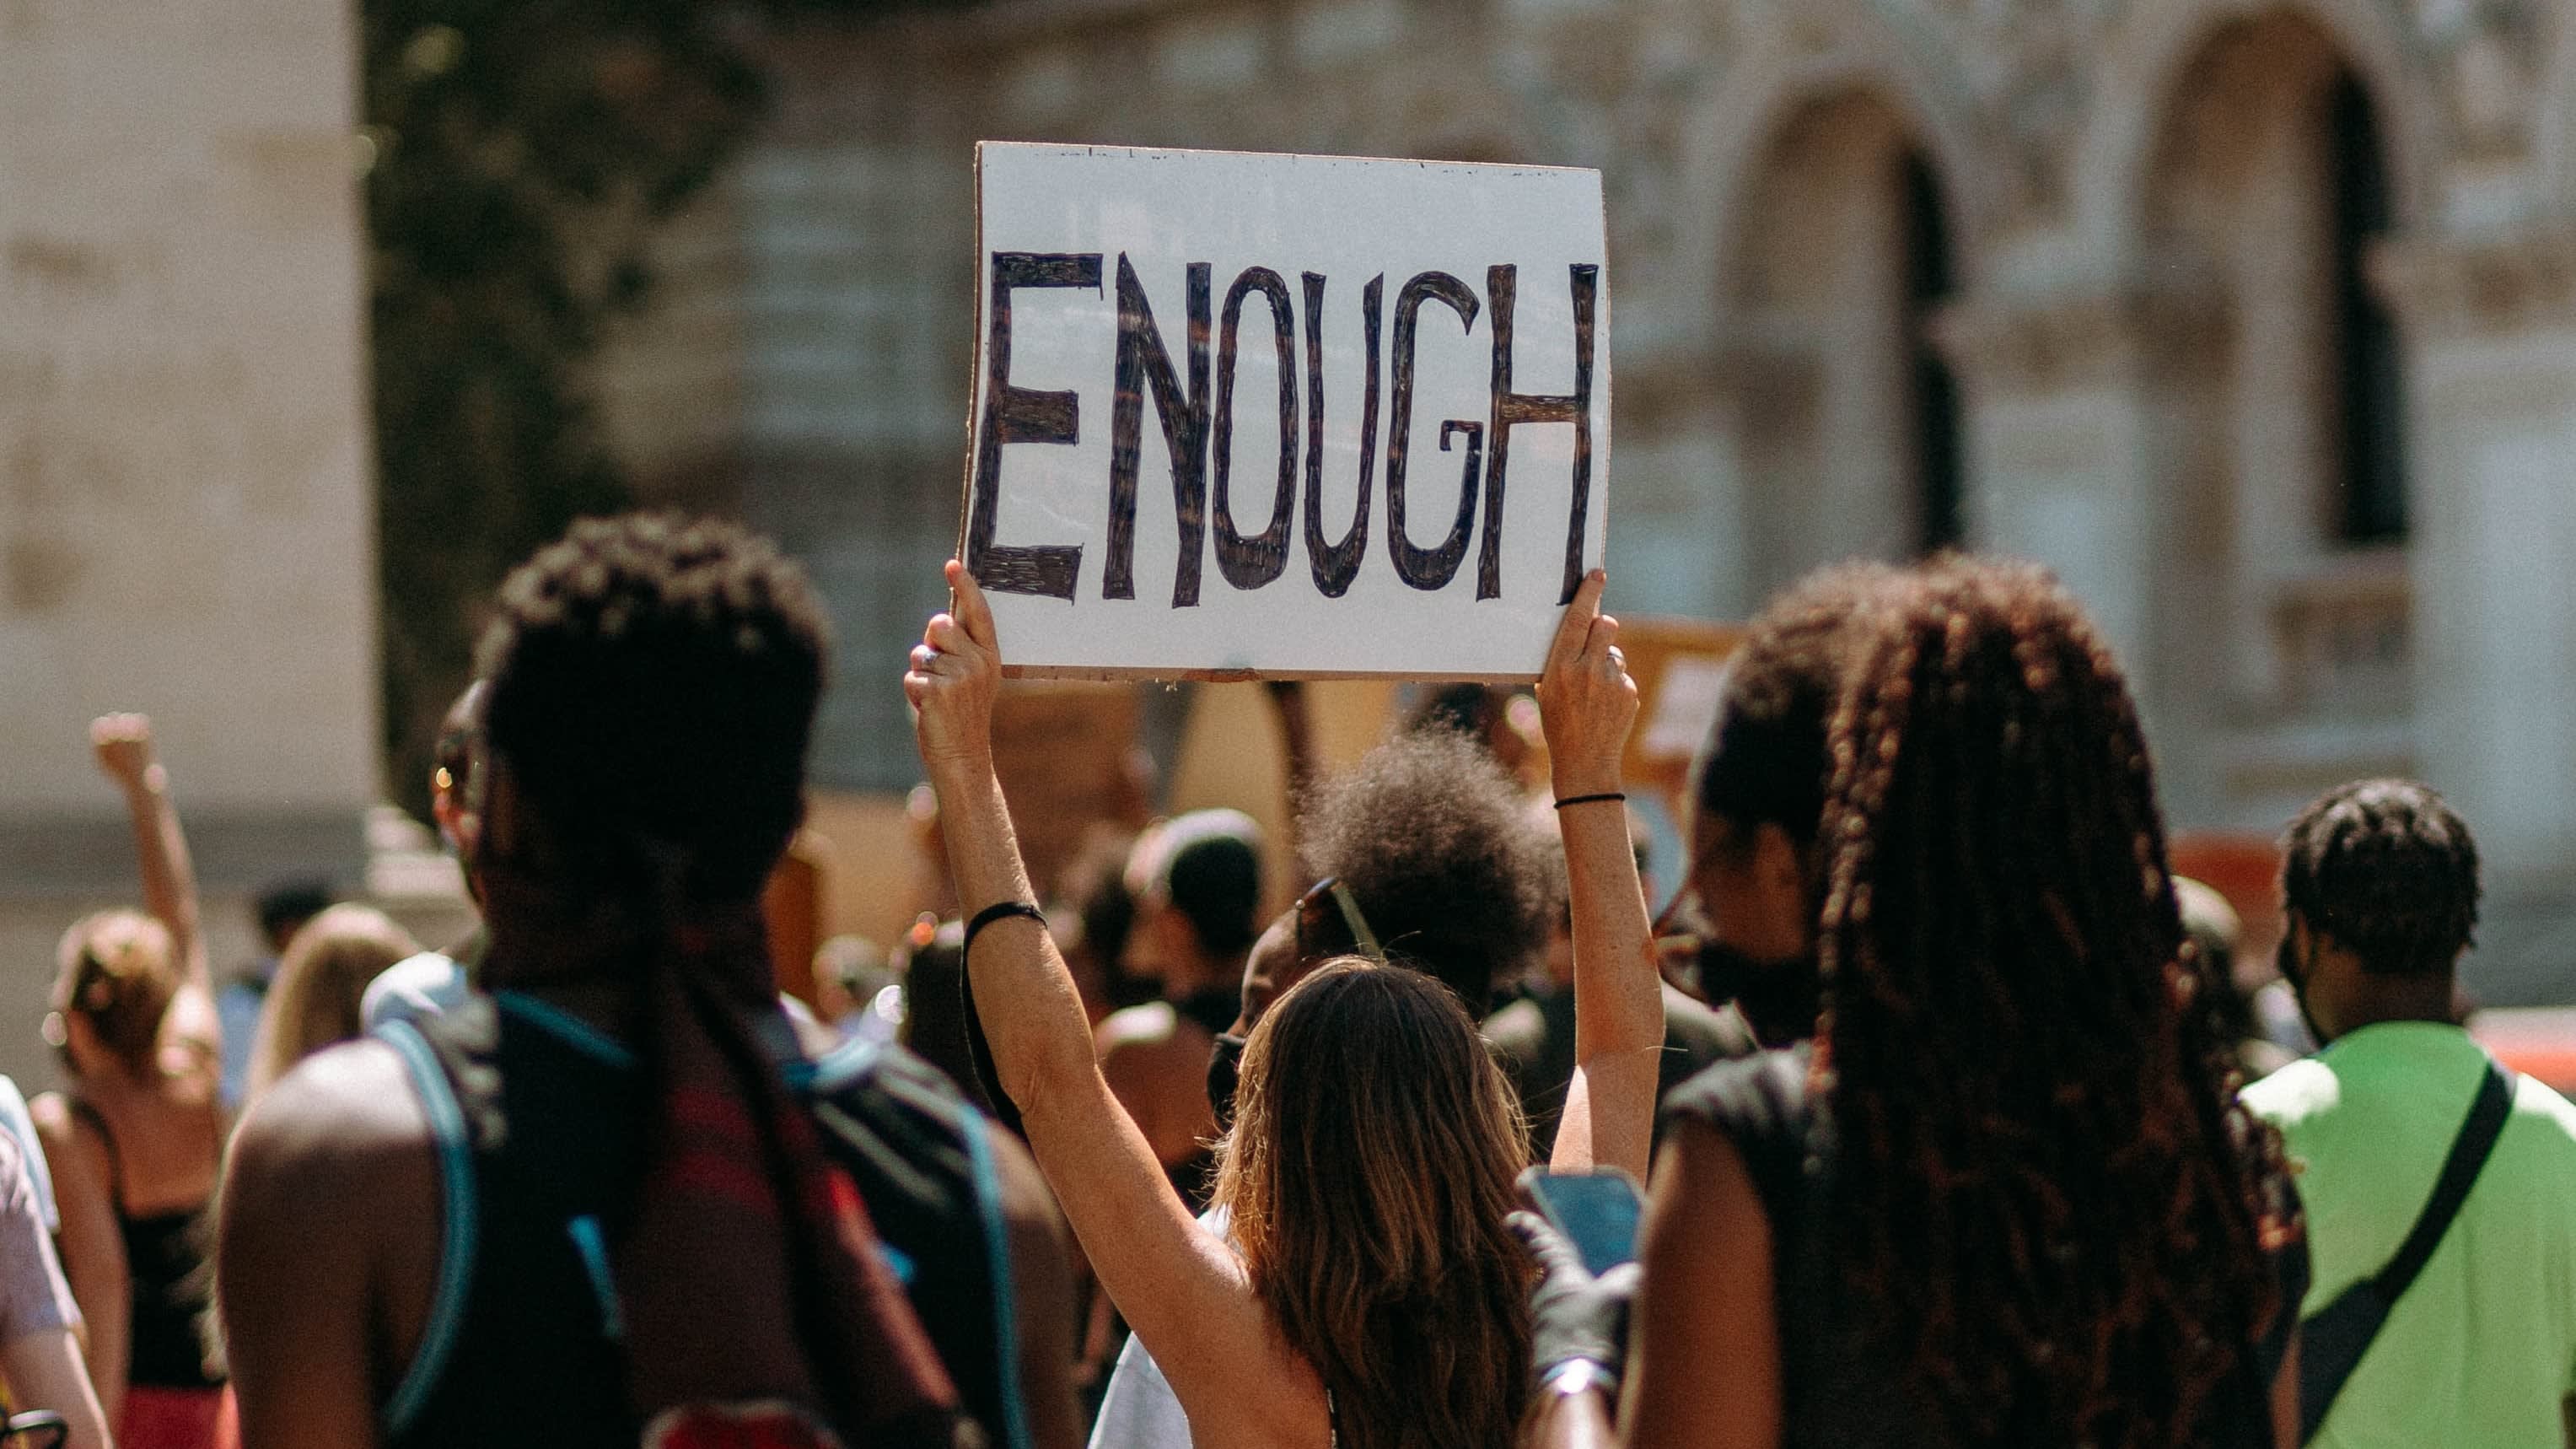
column 2055, row 1205
column 1370, row 1167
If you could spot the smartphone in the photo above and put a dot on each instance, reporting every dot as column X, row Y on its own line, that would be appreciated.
column 1597, row 1211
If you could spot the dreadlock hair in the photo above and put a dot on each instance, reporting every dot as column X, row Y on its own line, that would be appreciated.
column 2055, row 1211
column 1764, row 763
column 653, row 683
column 1433, row 842
column 2388, row 870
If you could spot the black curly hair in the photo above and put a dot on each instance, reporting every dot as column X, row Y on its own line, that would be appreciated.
column 2389, row 871
column 1437, row 848
column 2057, row 1212
column 653, row 683
column 1764, row 763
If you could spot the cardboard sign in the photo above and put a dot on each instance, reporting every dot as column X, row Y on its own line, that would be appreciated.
column 1680, row 667
column 1284, row 416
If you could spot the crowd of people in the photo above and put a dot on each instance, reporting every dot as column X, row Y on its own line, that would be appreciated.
column 1939, row 1084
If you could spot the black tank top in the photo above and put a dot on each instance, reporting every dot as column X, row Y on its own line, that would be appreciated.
column 171, row 1288
column 1839, row 1389
column 539, row 1126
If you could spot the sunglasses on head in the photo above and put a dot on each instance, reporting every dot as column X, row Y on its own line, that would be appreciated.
column 1329, row 923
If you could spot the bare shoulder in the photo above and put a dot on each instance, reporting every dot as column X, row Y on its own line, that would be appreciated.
column 344, row 1128
column 328, row 1245
column 69, row 1150
column 1707, row 1161
column 1702, row 1200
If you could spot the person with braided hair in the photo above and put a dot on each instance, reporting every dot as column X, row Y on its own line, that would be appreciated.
column 614, row 1198
column 2006, row 1196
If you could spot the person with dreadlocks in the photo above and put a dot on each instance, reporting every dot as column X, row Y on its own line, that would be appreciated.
column 2427, row 1324
column 2006, row 1196
column 610, row 1200
column 1367, row 1292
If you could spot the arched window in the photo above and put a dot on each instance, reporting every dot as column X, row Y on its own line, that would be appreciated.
column 2277, row 431
column 2373, row 486
column 1939, row 467
column 1846, row 418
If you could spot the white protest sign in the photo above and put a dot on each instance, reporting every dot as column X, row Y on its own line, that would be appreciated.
column 1284, row 416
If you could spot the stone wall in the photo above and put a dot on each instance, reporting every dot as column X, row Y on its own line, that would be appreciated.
column 185, row 524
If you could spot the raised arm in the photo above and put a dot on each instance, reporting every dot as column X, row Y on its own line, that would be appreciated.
column 1296, row 706
column 1586, row 704
column 1180, row 1287
column 123, row 743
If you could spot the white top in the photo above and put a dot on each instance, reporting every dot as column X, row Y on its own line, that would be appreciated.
column 1139, row 1409
column 414, row 989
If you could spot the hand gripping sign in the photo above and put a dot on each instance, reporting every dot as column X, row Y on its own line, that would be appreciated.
column 1284, row 416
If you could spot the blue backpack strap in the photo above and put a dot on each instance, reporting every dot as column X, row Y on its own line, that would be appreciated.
column 997, row 1250
column 457, row 1226
column 903, row 1088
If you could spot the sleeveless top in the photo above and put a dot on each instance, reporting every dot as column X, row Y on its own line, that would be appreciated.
column 171, row 1286
column 1840, row 1388
column 539, row 1125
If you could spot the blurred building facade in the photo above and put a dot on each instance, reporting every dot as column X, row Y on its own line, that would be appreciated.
column 185, row 514
column 186, row 524
column 2257, row 322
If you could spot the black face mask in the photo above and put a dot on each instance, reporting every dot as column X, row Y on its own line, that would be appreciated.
column 2298, row 968
column 1224, row 1074
column 1779, row 999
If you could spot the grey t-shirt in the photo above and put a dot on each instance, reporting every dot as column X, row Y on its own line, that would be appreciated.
column 33, row 1293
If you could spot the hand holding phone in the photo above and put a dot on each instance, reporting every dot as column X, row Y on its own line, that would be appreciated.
column 1596, row 1211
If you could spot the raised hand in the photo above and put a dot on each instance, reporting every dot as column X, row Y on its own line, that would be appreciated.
column 956, row 670
column 123, row 744
column 1586, row 700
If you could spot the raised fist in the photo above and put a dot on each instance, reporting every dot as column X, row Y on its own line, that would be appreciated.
column 123, row 743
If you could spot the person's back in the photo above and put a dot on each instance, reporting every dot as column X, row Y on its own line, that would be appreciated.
column 2008, row 1196
column 134, row 1143
column 2380, row 878
column 616, row 1203
column 1197, row 882
column 553, row 1121
column 2483, row 1346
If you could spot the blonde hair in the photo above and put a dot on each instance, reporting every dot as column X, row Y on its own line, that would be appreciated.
column 118, row 971
column 1371, row 1164
column 314, row 1000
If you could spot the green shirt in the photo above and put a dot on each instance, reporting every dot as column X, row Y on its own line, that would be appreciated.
column 2481, row 1350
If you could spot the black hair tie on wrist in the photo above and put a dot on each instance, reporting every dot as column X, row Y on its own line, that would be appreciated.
column 1588, row 799
column 999, row 910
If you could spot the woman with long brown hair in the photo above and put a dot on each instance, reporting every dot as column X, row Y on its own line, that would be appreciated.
column 135, row 1143
column 2007, row 1196
column 1368, row 1292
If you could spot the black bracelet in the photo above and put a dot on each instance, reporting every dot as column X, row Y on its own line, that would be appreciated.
column 1000, row 910
column 1588, row 799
